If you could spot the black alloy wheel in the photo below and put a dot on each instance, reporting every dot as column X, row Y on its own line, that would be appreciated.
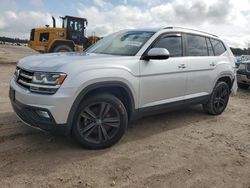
column 218, row 100
column 100, row 121
column 221, row 98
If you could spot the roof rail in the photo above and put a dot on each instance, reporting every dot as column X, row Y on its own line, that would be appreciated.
column 172, row 27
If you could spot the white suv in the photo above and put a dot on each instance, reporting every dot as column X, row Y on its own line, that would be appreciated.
column 129, row 74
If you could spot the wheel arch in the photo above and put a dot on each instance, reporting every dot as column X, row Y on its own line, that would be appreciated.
column 227, row 80
column 226, row 77
column 117, row 88
column 56, row 43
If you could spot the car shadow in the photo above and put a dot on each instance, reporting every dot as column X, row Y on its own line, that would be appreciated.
column 164, row 122
column 138, row 129
column 32, row 145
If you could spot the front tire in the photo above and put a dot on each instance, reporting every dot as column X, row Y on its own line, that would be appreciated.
column 218, row 100
column 100, row 121
column 243, row 86
column 63, row 48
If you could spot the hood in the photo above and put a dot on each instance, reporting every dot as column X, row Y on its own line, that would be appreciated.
column 59, row 61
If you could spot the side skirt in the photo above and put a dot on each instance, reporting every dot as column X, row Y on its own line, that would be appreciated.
column 158, row 109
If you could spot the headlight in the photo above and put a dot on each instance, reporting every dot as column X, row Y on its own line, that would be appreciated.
column 47, row 83
column 48, row 78
column 39, row 82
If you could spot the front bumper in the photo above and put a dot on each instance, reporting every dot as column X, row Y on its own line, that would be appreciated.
column 243, row 77
column 31, row 107
column 29, row 115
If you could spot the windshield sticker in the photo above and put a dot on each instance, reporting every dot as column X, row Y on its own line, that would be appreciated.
column 134, row 43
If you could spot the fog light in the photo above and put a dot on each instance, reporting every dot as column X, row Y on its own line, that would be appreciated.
column 43, row 114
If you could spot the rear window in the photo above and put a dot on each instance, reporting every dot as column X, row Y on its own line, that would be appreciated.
column 218, row 46
column 196, row 45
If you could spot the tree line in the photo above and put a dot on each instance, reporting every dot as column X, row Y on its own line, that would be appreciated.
column 13, row 40
column 239, row 51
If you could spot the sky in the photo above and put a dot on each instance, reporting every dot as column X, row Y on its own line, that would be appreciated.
column 229, row 19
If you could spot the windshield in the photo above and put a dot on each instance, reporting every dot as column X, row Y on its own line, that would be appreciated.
column 122, row 43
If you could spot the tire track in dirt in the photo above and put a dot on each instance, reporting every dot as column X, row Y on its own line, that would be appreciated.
column 15, row 136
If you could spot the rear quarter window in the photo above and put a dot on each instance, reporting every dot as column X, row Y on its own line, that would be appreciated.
column 218, row 46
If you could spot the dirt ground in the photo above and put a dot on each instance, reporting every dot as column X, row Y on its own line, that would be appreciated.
column 10, row 54
column 185, row 148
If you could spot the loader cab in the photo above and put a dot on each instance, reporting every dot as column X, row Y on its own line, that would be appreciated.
column 75, row 29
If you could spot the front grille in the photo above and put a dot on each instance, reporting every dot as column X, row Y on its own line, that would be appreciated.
column 23, row 77
column 248, row 67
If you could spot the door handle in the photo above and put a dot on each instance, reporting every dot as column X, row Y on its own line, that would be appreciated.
column 212, row 64
column 182, row 66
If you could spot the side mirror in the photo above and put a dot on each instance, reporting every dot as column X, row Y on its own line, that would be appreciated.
column 157, row 53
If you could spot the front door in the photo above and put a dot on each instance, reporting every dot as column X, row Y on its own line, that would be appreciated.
column 164, row 81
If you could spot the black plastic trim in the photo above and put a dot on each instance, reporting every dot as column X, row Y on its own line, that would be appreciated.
column 29, row 116
column 244, row 72
column 142, row 112
column 98, row 85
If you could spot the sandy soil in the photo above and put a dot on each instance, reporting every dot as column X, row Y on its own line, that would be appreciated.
column 185, row 148
column 11, row 54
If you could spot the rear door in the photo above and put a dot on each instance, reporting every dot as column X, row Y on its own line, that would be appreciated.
column 201, row 66
column 164, row 81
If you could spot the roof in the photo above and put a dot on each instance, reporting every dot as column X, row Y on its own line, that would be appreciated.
column 178, row 29
column 189, row 30
column 67, row 16
column 149, row 29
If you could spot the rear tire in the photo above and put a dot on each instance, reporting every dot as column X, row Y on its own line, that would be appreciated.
column 100, row 121
column 218, row 100
column 243, row 86
column 63, row 48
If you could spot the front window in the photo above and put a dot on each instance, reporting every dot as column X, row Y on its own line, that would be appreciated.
column 122, row 43
column 171, row 42
column 44, row 37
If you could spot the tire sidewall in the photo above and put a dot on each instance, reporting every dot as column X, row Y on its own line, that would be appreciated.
column 63, row 47
column 219, row 85
column 116, row 103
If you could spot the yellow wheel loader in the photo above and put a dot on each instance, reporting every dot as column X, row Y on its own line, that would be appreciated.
column 71, row 37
